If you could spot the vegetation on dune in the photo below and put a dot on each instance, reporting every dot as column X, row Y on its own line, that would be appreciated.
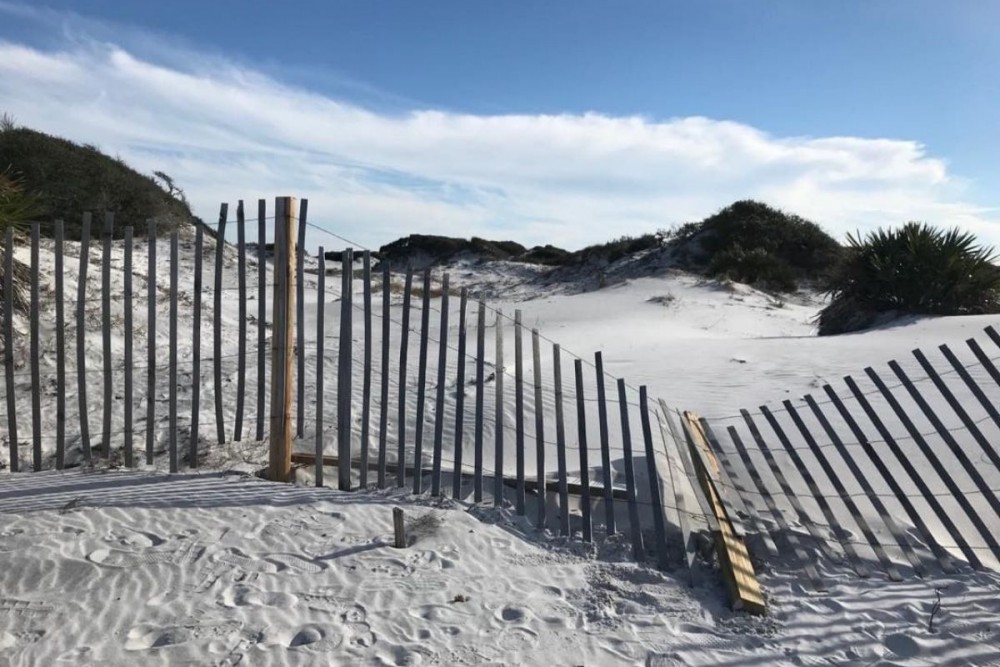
column 913, row 269
column 753, row 243
column 16, row 208
column 66, row 179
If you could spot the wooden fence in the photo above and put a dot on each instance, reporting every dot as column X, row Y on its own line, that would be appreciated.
column 436, row 390
column 852, row 468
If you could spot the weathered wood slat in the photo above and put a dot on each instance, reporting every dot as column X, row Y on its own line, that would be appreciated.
column 60, row 297
column 345, row 369
column 109, row 229
column 8, row 345
column 477, row 482
column 172, row 369
column 199, row 247
column 498, row 415
column 81, row 345
column 519, row 500
column 943, row 558
column 536, row 358
column 456, row 489
column 366, row 382
column 602, row 415
column 418, row 436
column 581, row 426
column 734, row 559
column 404, row 347
column 984, row 400
column 34, row 347
column 659, row 529
column 151, row 358
column 220, row 247
column 638, row 550
column 320, row 361
column 730, row 492
column 129, row 389
column 561, row 472
column 852, row 507
column 683, row 520
column 261, row 315
column 442, row 370
column 241, row 350
column 939, row 468
column 282, row 341
column 383, row 415
column 300, row 319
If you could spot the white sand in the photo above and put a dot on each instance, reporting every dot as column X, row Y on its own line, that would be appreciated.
column 125, row 568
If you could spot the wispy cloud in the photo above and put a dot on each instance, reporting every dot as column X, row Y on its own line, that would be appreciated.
column 225, row 131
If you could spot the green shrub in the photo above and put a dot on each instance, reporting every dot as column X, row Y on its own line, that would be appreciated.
column 915, row 269
column 753, row 267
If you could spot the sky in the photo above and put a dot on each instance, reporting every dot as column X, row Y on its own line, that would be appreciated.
column 544, row 122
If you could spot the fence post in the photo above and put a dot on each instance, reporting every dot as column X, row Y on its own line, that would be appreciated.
column 320, row 358
column 150, row 342
column 561, row 473
column 344, row 371
column 441, row 378
column 199, row 239
column 383, row 409
column 418, row 435
column 172, row 371
column 519, row 500
column 220, row 246
column 602, row 414
column 300, row 319
column 129, row 394
column 456, row 486
column 261, row 312
column 36, row 393
column 581, row 425
column 477, row 481
column 8, row 343
column 366, row 384
column 61, row 345
column 536, row 357
column 404, row 347
column 241, row 352
column 498, row 415
column 109, row 229
column 281, row 350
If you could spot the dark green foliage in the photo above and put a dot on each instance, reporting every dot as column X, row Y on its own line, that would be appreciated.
column 67, row 179
column 17, row 206
column 914, row 269
column 753, row 267
column 548, row 255
column 612, row 251
column 421, row 250
column 752, row 242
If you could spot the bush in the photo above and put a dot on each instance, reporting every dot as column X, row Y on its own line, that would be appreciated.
column 753, row 267
column 915, row 269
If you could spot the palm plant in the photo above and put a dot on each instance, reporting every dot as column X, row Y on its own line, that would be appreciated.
column 915, row 269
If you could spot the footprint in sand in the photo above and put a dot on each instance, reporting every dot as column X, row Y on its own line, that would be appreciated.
column 12, row 640
column 250, row 596
column 146, row 637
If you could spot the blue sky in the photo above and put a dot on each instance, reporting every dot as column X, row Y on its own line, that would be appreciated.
column 564, row 122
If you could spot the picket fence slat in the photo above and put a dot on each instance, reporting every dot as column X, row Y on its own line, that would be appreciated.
column 519, row 500
column 241, row 350
column 199, row 242
column 366, row 384
column 261, row 315
column 418, row 436
column 150, row 341
column 536, row 357
column 383, row 418
column 404, row 343
column 128, row 388
column 60, row 240
column 35, row 352
column 456, row 489
column 345, row 370
column 320, row 360
column 109, row 227
column 498, row 415
column 8, row 345
column 477, row 482
column 439, row 407
column 581, row 428
column 561, row 472
column 602, row 416
column 172, row 369
column 300, row 320
column 659, row 528
column 220, row 247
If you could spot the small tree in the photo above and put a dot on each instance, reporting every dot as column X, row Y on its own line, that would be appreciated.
column 7, row 122
column 915, row 269
column 170, row 186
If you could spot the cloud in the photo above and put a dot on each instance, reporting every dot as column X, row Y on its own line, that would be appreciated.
column 225, row 131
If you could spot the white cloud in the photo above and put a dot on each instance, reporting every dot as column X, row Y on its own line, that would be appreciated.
column 225, row 132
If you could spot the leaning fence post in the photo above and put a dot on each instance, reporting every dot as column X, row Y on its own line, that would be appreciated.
column 344, row 371
column 633, row 508
column 61, row 346
column 281, row 349
column 441, row 376
column 36, row 390
column 602, row 413
column 8, row 344
column 654, row 481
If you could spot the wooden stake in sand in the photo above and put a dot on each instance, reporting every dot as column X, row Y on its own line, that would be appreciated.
column 280, row 464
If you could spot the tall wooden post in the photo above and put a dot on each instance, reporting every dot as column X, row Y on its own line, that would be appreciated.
column 286, row 209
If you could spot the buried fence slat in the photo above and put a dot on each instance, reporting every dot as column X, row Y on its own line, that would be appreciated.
column 220, row 247
column 943, row 558
column 366, row 383
column 35, row 354
column 784, row 529
column 873, row 497
column 383, row 408
column 977, row 435
column 320, row 359
column 300, row 319
column 498, row 415
column 779, row 475
column 109, row 228
column 581, row 425
column 456, row 487
column 992, row 333
column 345, row 370
column 439, row 403
column 128, row 387
column 536, row 357
column 403, row 353
column 654, row 481
column 519, row 501
column 150, row 342
column 987, row 404
column 261, row 314
column 633, row 506
column 561, row 473
column 477, row 481
column 838, row 532
column 8, row 344
column 418, row 436
column 172, row 369
column 852, row 507
column 602, row 414
column 935, row 462
column 61, row 346
column 199, row 242
column 984, row 360
column 241, row 355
